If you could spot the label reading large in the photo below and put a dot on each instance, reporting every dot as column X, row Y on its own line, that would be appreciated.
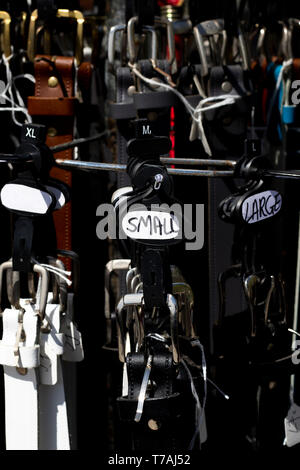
column 150, row 225
column 261, row 206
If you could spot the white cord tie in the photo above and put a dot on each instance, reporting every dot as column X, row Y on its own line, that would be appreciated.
column 197, row 129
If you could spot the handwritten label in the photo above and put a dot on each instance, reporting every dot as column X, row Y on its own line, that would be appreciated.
column 26, row 199
column 261, row 206
column 150, row 225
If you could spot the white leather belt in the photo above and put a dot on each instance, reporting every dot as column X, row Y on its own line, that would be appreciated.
column 20, row 363
column 36, row 415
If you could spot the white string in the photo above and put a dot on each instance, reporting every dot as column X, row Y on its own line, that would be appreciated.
column 18, row 104
column 293, row 331
column 227, row 397
column 225, row 99
column 62, row 273
column 198, row 404
column 196, row 113
column 200, row 411
column 58, row 272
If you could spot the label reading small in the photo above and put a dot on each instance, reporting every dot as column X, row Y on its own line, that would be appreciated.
column 150, row 225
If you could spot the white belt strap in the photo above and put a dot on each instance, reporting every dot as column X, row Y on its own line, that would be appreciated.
column 35, row 401
column 53, row 425
column 21, row 409
column 21, row 391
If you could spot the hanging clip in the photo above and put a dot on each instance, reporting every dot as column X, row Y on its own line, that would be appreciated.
column 158, row 180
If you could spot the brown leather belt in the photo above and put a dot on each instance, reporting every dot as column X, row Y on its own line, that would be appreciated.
column 54, row 106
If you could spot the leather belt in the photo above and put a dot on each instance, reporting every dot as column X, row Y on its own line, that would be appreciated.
column 226, row 130
column 166, row 409
column 54, row 105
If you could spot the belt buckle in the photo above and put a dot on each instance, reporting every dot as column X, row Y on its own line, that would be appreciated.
column 5, row 39
column 61, row 13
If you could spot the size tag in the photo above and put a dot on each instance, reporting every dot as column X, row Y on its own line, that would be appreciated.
column 35, row 133
column 292, row 426
column 252, row 147
column 151, row 225
column 261, row 206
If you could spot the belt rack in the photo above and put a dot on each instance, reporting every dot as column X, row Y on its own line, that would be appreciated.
column 82, row 165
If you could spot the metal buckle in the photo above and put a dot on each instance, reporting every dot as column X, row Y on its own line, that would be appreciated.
column 111, row 266
column 5, row 38
column 135, row 283
column 131, row 42
column 44, row 289
column 250, row 284
column 159, row 22
column 15, row 292
column 209, row 29
column 62, row 287
column 137, row 300
column 261, row 39
column 293, row 22
column 61, row 13
column 111, row 44
column 185, row 299
column 128, row 300
column 129, row 277
column 285, row 46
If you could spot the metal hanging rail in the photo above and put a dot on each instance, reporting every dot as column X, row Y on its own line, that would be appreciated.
column 81, row 165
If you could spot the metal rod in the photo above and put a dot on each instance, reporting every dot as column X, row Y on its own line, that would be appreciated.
column 12, row 158
column 207, row 173
column 80, row 165
column 83, row 140
column 292, row 174
column 197, row 162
